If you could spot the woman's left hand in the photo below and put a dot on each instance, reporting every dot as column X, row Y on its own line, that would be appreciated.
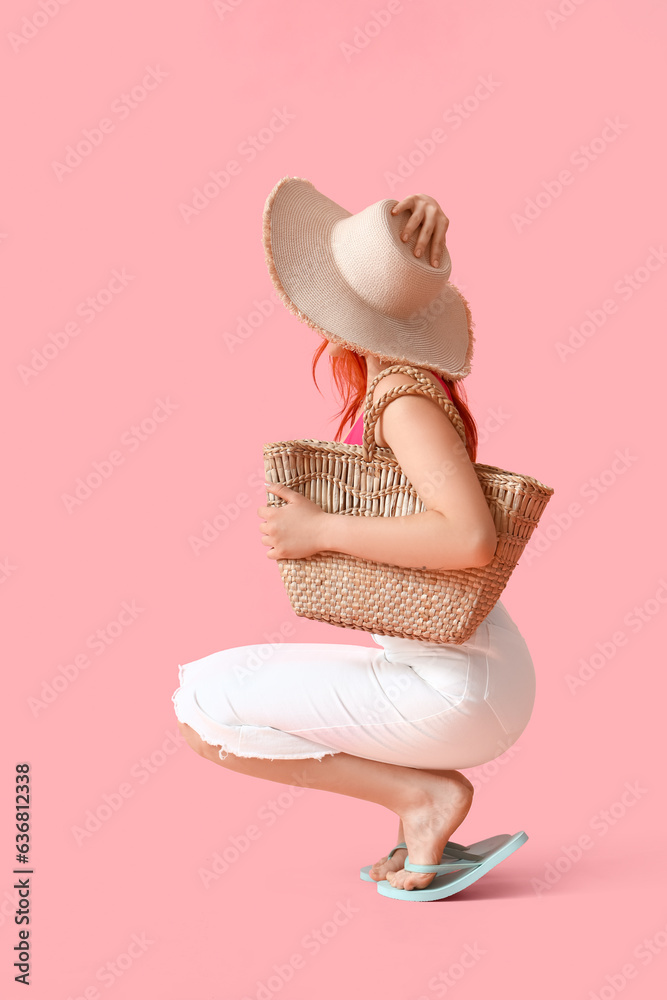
column 293, row 530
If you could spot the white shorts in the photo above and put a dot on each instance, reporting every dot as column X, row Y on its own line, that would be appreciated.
column 419, row 704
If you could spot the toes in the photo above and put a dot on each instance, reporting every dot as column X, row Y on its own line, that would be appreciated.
column 403, row 879
column 376, row 870
column 387, row 868
column 420, row 880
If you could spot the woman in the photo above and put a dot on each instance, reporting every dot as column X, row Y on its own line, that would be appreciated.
column 392, row 724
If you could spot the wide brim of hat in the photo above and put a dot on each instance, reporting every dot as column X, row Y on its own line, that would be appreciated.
column 296, row 234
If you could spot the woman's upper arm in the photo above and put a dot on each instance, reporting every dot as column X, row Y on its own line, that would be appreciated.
column 430, row 452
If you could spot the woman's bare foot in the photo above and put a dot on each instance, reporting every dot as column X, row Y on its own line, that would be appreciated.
column 440, row 804
column 379, row 870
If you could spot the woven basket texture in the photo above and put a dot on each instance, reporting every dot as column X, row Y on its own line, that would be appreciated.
column 442, row 606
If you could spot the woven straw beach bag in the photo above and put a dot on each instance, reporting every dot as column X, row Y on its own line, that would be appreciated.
column 444, row 606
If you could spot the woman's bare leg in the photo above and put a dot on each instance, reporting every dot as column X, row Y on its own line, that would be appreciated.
column 431, row 805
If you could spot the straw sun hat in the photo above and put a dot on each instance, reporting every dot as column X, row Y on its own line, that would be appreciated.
column 352, row 278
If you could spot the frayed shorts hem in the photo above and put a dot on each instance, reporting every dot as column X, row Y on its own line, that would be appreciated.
column 188, row 711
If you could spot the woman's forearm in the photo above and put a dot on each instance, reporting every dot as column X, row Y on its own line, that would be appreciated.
column 426, row 540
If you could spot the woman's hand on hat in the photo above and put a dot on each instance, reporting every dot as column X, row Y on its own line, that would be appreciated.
column 425, row 213
column 293, row 530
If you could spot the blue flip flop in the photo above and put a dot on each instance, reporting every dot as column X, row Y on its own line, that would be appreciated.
column 452, row 853
column 487, row 855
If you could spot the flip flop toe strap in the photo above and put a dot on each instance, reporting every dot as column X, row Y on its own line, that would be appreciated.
column 451, row 850
column 470, row 861
column 394, row 849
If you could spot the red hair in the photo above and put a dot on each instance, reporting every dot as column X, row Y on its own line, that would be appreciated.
column 350, row 375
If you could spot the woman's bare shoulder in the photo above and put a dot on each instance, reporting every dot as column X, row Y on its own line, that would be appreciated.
column 391, row 381
column 402, row 378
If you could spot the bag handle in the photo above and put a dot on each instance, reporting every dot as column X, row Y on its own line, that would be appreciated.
column 424, row 387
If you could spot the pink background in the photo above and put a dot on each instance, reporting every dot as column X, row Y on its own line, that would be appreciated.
column 555, row 920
